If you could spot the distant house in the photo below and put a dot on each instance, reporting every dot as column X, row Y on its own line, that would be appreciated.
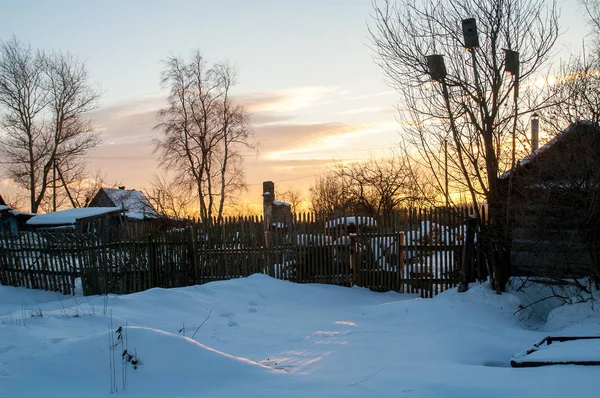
column 12, row 220
column 553, row 211
column 7, row 221
column 135, row 205
column 86, row 219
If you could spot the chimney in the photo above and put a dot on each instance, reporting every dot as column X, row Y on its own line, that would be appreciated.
column 268, row 198
column 535, row 132
column 122, row 187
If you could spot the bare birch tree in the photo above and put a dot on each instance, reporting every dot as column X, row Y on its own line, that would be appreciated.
column 204, row 131
column 471, row 104
column 44, row 99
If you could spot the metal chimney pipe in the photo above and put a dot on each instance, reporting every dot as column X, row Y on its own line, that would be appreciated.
column 535, row 132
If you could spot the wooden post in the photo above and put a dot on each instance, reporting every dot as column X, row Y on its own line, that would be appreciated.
column 400, row 268
column 192, row 257
column 354, row 257
column 269, row 253
column 468, row 251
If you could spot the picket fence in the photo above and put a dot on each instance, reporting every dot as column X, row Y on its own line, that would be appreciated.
column 415, row 251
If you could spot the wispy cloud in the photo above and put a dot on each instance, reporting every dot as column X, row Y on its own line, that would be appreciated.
column 329, row 142
column 290, row 100
column 379, row 94
column 358, row 111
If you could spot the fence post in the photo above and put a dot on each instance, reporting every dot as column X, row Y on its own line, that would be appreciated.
column 468, row 251
column 152, row 262
column 400, row 268
column 269, row 254
column 192, row 257
column 354, row 257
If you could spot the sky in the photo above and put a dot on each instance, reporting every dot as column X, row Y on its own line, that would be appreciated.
column 306, row 74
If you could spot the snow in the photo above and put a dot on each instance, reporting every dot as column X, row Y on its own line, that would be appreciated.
column 261, row 337
column 281, row 203
column 69, row 216
column 4, row 207
column 527, row 159
column 364, row 221
column 129, row 199
column 576, row 350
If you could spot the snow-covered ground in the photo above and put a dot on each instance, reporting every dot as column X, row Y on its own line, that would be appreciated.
column 261, row 337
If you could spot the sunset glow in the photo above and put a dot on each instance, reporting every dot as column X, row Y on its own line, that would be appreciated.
column 305, row 74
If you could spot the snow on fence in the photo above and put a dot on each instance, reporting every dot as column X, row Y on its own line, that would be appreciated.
column 414, row 251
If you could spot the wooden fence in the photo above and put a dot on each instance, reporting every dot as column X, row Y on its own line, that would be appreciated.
column 414, row 251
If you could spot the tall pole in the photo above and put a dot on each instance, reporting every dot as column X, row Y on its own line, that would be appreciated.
column 446, row 172
column 54, row 185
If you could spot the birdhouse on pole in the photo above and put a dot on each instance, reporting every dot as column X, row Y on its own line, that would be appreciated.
column 511, row 62
column 469, row 28
column 436, row 66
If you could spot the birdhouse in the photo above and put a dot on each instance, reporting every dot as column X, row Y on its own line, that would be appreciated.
column 436, row 66
column 469, row 28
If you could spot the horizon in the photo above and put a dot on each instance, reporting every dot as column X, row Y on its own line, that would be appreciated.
column 305, row 74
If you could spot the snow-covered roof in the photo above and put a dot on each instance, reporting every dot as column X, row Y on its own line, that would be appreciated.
column 275, row 202
column 360, row 220
column 129, row 199
column 70, row 216
column 547, row 146
column 4, row 207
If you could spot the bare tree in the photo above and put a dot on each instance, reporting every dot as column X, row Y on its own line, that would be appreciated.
column 172, row 197
column 578, row 87
column 592, row 11
column 204, row 131
column 328, row 195
column 372, row 187
column 292, row 196
column 471, row 102
column 577, row 82
column 44, row 100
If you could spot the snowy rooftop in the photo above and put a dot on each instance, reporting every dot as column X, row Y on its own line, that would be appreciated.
column 4, row 207
column 364, row 221
column 545, row 147
column 70, row 216
column 131, row 200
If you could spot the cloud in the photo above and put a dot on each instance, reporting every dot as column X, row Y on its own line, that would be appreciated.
column 380, row 94
column 289, row 100
column 357, row 111
column 323, row 141
column 132, row 106
column 299, row 135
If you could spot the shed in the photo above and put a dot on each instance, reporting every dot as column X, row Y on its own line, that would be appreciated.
column 86, row 219
column 13, row 220
column 553, row 212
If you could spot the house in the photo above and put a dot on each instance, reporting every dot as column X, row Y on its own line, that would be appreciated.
column 10, row 219
column 134, row 203
column 86, row 219
column 552, row 207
